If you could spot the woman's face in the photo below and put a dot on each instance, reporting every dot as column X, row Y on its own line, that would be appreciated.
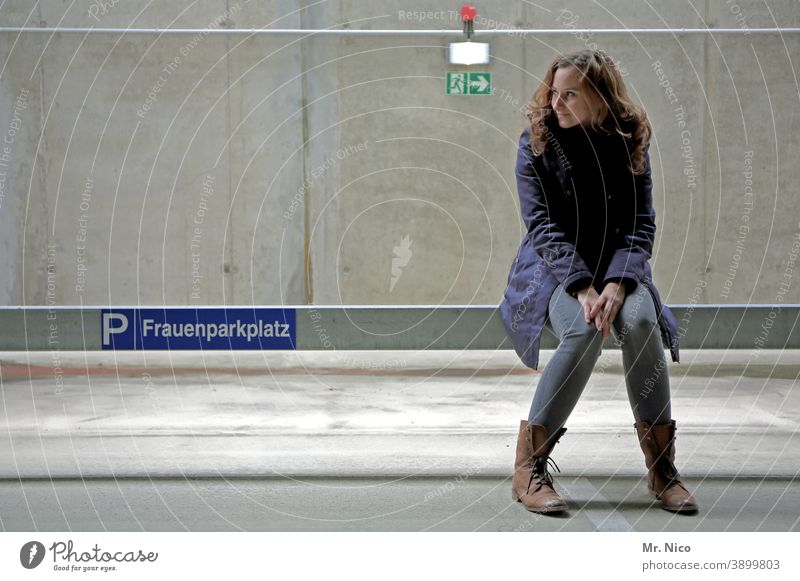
column 572, row 102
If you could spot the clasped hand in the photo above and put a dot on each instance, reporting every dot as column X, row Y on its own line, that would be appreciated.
column 602, row 308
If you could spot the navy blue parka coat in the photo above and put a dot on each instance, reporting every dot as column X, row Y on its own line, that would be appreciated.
column 547, row 255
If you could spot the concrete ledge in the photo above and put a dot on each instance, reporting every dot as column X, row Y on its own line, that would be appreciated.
column 693, row 361
column 439, row 413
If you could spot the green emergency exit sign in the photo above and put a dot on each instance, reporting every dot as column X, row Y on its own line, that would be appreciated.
column 468, row 83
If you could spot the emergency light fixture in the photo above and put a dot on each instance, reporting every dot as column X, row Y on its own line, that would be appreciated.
column 468, row 53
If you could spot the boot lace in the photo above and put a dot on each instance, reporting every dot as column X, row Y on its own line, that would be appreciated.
column 540, row 473
column 667, row 470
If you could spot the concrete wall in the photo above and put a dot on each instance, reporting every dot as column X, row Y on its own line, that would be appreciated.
column 209, row 169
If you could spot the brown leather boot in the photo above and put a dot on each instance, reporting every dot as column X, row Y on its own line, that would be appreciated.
column 663, row 480
column 532, row 484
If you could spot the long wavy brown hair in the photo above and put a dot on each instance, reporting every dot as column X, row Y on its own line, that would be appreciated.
column 600, row 74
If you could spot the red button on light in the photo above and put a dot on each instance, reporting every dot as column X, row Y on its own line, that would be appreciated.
column 468, row 12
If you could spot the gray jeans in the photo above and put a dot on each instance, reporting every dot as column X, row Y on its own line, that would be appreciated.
column 567, row 373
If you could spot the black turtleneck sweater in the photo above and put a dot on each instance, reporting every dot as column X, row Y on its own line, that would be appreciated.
column 597, row 164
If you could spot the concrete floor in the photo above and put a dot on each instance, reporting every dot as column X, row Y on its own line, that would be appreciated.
column 373, row 504
column 376, row 441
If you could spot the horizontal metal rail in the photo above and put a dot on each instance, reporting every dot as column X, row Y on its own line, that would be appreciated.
column 365, row 327
column 510, row 31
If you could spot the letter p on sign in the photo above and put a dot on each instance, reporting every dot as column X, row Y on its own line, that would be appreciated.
column 108, row 327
